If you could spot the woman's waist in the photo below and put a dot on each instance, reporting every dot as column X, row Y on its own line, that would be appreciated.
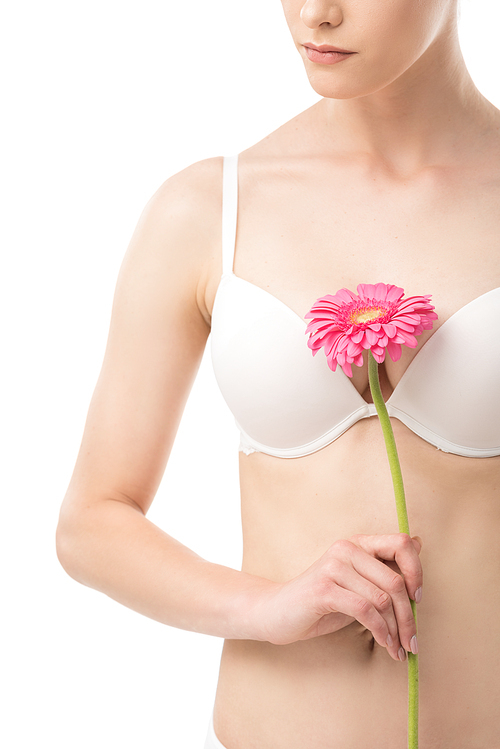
column 292, row 511
column 457, row 629
column 460, row 543
column 339, row 686
column 344, row 680
column 348, row 485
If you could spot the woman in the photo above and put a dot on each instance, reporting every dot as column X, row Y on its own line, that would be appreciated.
column 392, row 176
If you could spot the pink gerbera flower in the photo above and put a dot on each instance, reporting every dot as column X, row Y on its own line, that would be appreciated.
column 376, row 318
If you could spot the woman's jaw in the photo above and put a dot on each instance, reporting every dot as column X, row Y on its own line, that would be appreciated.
column 389, row 42
column 404, row 95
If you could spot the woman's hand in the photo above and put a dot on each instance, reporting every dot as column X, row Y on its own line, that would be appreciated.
column 351, row 581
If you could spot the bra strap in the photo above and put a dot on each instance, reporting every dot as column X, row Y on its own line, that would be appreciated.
column 229, row 211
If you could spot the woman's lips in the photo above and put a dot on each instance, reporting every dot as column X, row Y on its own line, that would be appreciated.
column 326, row 55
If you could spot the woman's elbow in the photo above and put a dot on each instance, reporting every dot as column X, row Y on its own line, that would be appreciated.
column 69, row 544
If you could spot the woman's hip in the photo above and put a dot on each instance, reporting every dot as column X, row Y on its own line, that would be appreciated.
column 211, row 741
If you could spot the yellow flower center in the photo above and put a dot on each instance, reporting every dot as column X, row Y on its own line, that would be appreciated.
column 367, row 315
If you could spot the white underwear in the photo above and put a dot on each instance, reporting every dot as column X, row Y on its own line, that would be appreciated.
column 212, row 742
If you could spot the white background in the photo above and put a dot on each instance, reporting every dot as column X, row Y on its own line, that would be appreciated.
column 101, row 102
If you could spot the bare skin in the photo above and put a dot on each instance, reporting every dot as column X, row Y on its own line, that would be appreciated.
column 396, row 181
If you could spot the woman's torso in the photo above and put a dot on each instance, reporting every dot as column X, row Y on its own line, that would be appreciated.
column 311, row 221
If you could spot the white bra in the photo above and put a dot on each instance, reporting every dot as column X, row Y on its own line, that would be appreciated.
column 288, row 403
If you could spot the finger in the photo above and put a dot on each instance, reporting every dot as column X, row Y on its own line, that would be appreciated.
column 389, row 581
column 329, row 623
column 359, row 580
column 417, row 542
column 398, row 548
column 350, row 603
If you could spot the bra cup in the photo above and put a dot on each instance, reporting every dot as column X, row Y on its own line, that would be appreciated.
column 452, row 387
column 288, row 403
column 280, row 395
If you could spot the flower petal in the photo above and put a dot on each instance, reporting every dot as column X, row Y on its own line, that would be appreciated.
column 410, row 319
column 357, row 336
column 347, row 369
column 367, row 290
column 409, row 339
column 389, row 329
column 394, row 350
column 371, row 336
column 344, row 295
column 358, row 361
column 379, row 355
column 353, row 349
column 332, row 362
column 403, row 325
column 331, row 324
column 394, row 293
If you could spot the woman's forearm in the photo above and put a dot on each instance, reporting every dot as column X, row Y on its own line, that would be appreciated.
column 111, row 546
column 114, row 548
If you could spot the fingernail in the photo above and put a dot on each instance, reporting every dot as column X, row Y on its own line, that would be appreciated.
column 414, row 645
column 389, row 641
column 418, row 595
column 402, row 654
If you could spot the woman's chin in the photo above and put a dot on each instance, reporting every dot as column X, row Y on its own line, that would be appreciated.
column 333, row 84
column 337, row 89
column 336, row 92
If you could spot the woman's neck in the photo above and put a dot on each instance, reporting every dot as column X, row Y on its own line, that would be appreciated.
column 419, row 120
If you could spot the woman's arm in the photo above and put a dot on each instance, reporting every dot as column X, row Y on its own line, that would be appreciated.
column 158, row 332
column 159, row 328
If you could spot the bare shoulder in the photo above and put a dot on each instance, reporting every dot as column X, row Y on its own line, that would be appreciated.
column 195, row 188
column 182, row 221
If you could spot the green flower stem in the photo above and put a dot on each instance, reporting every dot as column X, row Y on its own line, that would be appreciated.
column 399, row 494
